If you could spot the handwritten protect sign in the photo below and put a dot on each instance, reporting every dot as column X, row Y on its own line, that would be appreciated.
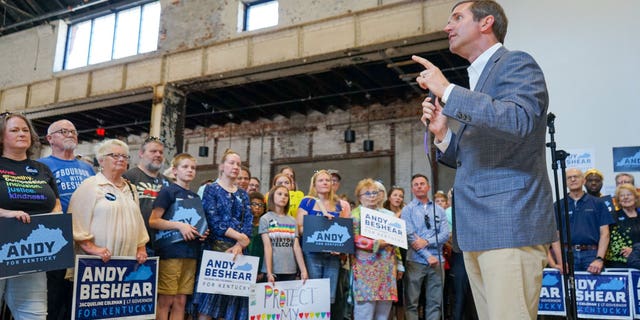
column 219, row 273
column 42, row 245
column 288, row 300
column 377, row 225
column 118, row 289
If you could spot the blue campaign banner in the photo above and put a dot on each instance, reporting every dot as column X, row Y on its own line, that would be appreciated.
column 626, row 159
column 182, row 210
column 42, row 245
column 118, row 289
column 552, row 294
column 604, row 296
column 321, row 234
column 635, row 288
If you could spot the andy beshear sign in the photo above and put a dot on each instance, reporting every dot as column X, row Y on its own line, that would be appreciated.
column 219, row 273
column 378, row 225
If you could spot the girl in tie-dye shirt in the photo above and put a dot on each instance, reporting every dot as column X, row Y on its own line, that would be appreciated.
column 280, row 237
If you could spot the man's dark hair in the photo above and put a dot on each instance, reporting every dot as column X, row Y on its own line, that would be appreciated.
column 483, row 8
column 419, row 175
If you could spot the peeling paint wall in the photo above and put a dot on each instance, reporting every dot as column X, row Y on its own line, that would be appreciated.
column 28, row 56
column 189, row 24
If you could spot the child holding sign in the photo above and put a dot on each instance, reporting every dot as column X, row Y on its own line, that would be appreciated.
column 177, row 266
column 280, row 237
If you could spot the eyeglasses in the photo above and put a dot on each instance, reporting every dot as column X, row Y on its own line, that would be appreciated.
column 369, row 194
column 5, row 114
column 257, row 204
column 65, row 132
column 118, row 156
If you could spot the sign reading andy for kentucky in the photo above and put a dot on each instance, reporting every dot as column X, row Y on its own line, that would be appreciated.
column 321, row 234
column 42, row 245
column 219, row 273
column 635, row 288
column 118, row 289
column 377, row 225
column 626, row 159
column 552, row 294
column 288, row 300
column 604, row 296
column 189, row 211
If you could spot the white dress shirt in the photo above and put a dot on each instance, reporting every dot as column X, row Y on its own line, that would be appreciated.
column 474, row 71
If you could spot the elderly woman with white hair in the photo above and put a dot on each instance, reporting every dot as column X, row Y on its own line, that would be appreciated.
column 106, row 214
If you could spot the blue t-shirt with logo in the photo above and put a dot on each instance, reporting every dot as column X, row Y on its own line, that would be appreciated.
column 183, row 249
column 68, row 175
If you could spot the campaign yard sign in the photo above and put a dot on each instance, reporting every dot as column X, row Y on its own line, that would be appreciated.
column 189, row 211
column 321, row 234
column 220, row 273
column 626, row 159
column 604, row 296
column 42, row 245
column 288, row 300
column 118, row 289
column 377, row 225
column 635, row 288
column 552, row 294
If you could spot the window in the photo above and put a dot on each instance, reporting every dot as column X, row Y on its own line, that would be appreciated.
column 260, row 14
column 112, row 36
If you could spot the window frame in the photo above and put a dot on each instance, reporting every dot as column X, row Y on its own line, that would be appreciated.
column 245, row 15
column 116, row 12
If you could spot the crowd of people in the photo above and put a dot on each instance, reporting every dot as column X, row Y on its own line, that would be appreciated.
column 119, row 210
column 109, row 219
column 499, row 222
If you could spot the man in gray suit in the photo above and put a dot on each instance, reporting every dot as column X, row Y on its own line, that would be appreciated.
column 504, row 211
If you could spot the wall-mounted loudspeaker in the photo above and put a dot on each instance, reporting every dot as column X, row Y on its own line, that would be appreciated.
column 367, row 145
column 203, row 151
column 349, row 136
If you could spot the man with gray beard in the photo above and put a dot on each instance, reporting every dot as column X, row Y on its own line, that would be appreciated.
column 148, row 180
column 69, row 172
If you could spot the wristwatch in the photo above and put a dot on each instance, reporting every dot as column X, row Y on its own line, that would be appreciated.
column 599, row 258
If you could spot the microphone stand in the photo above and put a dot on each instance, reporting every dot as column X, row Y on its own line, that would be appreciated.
column 432, row 169
column 560, row 156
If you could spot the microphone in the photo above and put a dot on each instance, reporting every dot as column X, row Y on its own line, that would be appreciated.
column 433, row 100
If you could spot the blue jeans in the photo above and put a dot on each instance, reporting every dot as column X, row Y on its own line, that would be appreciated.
column 323, row 265
column 416, row 274
column 583, row 258
column 26, row 296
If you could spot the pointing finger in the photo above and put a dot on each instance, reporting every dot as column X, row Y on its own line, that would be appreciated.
column 424, row 62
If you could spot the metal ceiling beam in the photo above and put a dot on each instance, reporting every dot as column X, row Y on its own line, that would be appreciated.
column 91, row 103
column 11, row 6
column 36, row 8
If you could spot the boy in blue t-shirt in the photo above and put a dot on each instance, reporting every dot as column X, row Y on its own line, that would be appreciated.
column 177, row 266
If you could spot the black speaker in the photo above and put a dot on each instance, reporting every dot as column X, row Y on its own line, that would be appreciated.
column 349, row 136
column 367, row 145
column 203, row 151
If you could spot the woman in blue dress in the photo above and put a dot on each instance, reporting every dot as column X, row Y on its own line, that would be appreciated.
column 229, row 217
column 321, row 201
